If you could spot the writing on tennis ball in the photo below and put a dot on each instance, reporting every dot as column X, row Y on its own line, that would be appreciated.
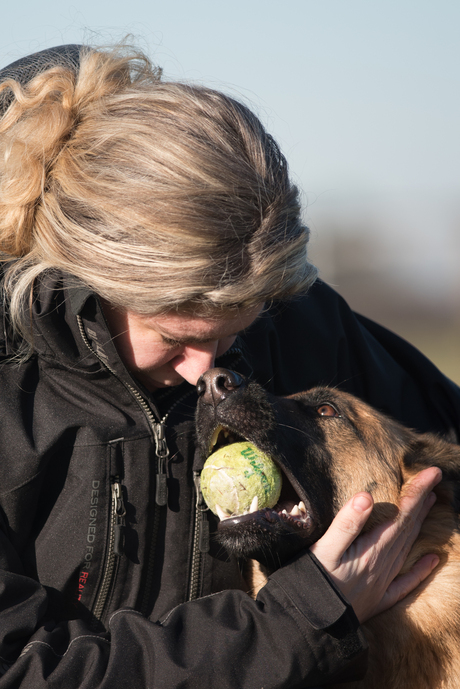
column 233, row 475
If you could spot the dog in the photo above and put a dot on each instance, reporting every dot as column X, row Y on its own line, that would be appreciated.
column 330, row 445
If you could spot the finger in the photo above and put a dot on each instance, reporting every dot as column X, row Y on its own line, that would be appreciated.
column 344, row 529
column 426, row 506
column 414, row 507
column 416, row 491
column 403, row 585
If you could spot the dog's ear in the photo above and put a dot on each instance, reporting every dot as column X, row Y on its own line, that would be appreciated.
column 427, row 450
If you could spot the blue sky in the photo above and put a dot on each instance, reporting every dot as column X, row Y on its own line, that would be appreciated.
column 359, row 93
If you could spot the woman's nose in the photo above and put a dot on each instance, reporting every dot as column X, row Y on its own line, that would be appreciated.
column 194, row 361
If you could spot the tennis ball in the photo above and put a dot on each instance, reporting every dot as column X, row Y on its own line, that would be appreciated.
column 233, row 475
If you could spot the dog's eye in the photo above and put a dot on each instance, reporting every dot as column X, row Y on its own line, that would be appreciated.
column 327, row 410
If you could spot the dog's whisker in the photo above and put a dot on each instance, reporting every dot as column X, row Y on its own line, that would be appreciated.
column 298, row 430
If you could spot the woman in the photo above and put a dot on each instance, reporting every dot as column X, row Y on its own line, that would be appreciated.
column 144, row 226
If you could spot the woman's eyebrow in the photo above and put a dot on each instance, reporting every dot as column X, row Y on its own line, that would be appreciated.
column 190, row 339
column 186, row 339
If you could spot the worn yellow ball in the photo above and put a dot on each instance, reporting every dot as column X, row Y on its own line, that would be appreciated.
column 233, row 475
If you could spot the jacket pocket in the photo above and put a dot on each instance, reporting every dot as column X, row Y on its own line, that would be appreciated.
column 81, row 543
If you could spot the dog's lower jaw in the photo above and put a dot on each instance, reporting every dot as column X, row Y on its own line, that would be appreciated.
column 267, row 536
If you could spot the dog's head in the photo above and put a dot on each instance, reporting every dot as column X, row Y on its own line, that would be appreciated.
column 329, row 446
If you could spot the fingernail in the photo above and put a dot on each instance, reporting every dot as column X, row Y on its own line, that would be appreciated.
column 362, row 502
column 434, row 562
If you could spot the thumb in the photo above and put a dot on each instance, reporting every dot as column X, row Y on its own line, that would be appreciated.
column 345, row 527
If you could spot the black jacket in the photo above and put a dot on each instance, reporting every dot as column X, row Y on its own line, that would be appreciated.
column 104, row 585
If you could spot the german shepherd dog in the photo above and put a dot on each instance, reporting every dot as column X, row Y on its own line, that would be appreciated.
column 330, row 446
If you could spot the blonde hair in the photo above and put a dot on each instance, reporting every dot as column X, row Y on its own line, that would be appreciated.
column 157, row 195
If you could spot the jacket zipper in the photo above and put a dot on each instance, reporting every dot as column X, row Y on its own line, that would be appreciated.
column 114, row 551
column 161, row 500
column 200, row 539
column 162, row 452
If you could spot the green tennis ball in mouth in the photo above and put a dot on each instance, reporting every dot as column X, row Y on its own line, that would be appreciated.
column 235, row 474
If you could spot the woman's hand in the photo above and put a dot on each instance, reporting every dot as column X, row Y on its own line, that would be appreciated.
column 364, row 568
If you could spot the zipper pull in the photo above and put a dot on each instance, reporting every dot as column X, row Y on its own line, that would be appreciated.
column 120, row 513
column 202, row 509
column 162, row 452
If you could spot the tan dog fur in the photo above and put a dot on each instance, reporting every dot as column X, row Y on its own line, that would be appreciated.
column 415, row 644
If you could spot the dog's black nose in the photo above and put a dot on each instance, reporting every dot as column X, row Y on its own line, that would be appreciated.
column 217, row 384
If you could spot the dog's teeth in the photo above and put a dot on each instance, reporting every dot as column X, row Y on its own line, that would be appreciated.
column 284, row 512
column 226, row 434
column 215, row 435
column 302, row 507
column 221, row 514
column 295, row 512
column 254, row 504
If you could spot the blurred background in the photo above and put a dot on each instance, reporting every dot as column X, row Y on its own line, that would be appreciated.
column 363, row 96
